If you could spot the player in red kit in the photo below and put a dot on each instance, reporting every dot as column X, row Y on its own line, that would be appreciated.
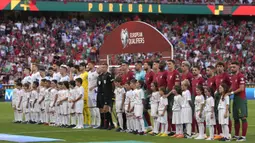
column 221, row 77
column 155, row 69
column 197, row 80
column 161, row 78
column 173, row 78
column 186, row 74
column 210, row 82
column 127, row 75
column 240, row 111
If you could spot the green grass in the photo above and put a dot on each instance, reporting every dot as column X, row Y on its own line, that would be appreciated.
column 92, row 135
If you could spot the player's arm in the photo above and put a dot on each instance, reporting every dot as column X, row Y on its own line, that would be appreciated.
column 227, row 107
column 212, row 108
column 55, row 100
column 27, row 101
column 164, row 110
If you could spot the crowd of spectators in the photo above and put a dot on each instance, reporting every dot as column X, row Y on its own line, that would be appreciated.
column 203, row 41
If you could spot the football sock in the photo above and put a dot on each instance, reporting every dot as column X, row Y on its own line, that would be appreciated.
column 244, row 127
column 237, row 127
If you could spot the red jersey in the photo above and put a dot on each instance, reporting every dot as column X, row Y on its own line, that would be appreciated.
column 210, row 82
column 237, row 81
column 195, row 82
column 172, row 78
column 127, row 77
column 222, row 78
column 161, row 78
column 189, row 77
column 149, row 76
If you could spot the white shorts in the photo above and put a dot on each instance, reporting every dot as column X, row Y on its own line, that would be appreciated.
column 57, row 110
column 92, row 99
column 200, row 120
column 47, row 106
column 42, row 105
column 64, row 108
column 24, row 108
column 119, row 109
column 222, row 120
column 70, row 110
column 208, row 120
column 138, row 110
column 37, row 107
column 79, row 107
column 163, row 119
column 177, row 117
column 132, row 105
column 186, row 115
column 154, row 110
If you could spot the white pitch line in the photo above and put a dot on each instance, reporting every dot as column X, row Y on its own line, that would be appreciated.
column 57, row 131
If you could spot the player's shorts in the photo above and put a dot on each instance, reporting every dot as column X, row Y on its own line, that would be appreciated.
column 239, row 108
column 186, row 115
column 118, row 105
column 154, row 110
column 163, row 119
column 177, row 117
column 24, row 107
column 138, row 110
column 64, row 108
column 198, row 119
column 47, row 106
column 208, row 120
column 221, row 119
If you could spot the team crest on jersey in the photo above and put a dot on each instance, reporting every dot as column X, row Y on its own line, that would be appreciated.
column 124, row 37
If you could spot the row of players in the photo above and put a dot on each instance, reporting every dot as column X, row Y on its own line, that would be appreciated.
column 54, row 103
column 171, row 78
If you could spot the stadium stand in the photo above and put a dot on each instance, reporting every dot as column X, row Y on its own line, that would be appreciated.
column 204, row 41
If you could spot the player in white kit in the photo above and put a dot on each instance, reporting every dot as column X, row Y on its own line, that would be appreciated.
column 19, row 105
column 129, row 116
column 27, row 78
column 209, row 112
column 42, row 90
column 64, row 104
column 35, row 73
column 92, row 95
column 199, row 113
column 79, row 103
column 35, row 102
column 186, row 107
column 47, row 101
column 25, row 103
column 162, row 113
column 138, row 107
column 15, row 101
column 223, row 109
column 119, row 102
column 53, row 100
column 154, row 102
column 59, row 116
column 71, row 105
column 177, row 115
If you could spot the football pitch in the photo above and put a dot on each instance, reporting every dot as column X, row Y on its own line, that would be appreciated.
column 94, row 135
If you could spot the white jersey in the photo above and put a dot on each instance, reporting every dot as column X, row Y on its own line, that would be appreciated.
column 56, row 76
column 25, row 97
column 47, row 95
column 27, row 79
column 178, row 101
column 73, row 93
column 129, row 97
column 64, row 78
column 14, row 96
column 65, row 94
column 223, row 103
column 34, row 96
column 80, row 91
column 119, row 94
column 209, row 104
column 92, row 79
column 60, row 94
column 35, row 76
column 53, row 94
column 155, row 98
column 138, row 96
column 163, row 102
column 41, row 93
column 199, row 101
column 186, row 99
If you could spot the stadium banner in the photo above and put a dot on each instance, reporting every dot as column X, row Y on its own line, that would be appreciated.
column 8, row 94
column 136, row 37
column 126, row 7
